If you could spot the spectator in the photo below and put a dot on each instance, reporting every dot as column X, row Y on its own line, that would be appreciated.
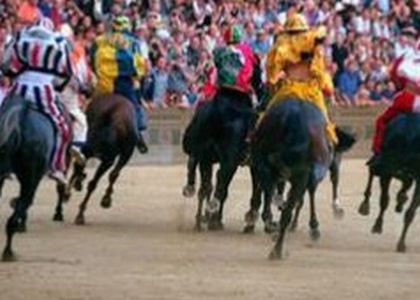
column 159, row 85
column 348, row 83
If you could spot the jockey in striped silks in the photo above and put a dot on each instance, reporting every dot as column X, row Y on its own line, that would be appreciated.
column 71, row 97
column 38, row 60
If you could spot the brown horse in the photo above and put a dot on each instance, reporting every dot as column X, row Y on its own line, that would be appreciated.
column 112, row 136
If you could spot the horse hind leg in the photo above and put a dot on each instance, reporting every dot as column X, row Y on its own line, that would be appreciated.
column 206, row 172
column 338, row 210
column 62, row 198
column 189, row 189
column 295, row 221
column 402, row 196
column 315, row 233
column 297, row 191
column 103, row 167
column 364, row 208
column 106, row 201
column 409, row 217
column 19, row 216
column 384, row 201
column 251, row 216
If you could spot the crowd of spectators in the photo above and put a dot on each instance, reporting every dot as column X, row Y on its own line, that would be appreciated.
column 178, row 37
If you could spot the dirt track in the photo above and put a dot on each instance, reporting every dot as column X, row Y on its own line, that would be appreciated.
column 145, row 248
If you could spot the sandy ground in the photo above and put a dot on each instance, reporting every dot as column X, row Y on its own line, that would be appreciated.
column 145, row 248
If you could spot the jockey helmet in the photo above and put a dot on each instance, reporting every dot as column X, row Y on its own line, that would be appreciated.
column 296, row 23
column 67, row 31
column 45, row 23
column 233, row 35
column 121, row 23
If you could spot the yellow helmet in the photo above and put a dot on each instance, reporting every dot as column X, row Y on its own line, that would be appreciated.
column 296, row 23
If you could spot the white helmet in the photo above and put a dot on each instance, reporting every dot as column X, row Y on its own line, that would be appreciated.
column 45, row 23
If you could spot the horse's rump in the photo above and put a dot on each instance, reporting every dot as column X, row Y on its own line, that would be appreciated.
column 293, row 133
column 401, row 147
column 212, row 120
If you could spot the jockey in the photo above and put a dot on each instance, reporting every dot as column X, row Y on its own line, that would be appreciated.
column 38, row 60
column 119, row 67
column 405, row 74
column 235, row 63
column 296, row 68
column 71, row 96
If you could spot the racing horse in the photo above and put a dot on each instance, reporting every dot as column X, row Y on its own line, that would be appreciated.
column 399, row 159
column 217, row 134
column 290, row 144
column 26, row 145
column 112, row 137
column 346, row 142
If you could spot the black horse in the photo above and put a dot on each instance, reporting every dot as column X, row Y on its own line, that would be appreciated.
column 26, row 144
column 290, row 144
column 251, row 216
column 217, row 134
column 399, row 159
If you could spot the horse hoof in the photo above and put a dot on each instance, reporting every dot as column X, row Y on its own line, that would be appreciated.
column 58, row 218
column 215, row 226
column 251, row 217
column 8, row 256
column 275, row 255
column 188, row 191
column 78, row 186
column 364, row 209
column 293, row 227
column 399, row 208
column 80, row 220
column 21, row 228
column 338, row 212
column 377, row 228
column 198, row 228
column 249, row 229
column 270, row 227
column 213, row 206
column 401, row 248
column 106, row 202
column 315, row 235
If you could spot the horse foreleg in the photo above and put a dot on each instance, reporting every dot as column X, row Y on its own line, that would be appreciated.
column 189, row 190
column 338, row 211
column 385, row 182
column 402, row 196
column 251, row 216
column 103, row 167
column 206, row 172
column 409, row 217
column 297, row 191
column 364, row 207
column 106, row 201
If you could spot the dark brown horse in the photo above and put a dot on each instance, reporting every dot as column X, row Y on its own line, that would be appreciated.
column 112, row 137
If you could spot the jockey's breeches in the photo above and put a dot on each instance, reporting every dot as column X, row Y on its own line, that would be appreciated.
column 132, row 96
column 306, row 91
column 45, row 99
column 70, row 99
column 404, row 102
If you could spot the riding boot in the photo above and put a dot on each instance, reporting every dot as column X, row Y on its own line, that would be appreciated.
column 59, row 177
column 77, row 154
column 345, row 140
column 141, row 144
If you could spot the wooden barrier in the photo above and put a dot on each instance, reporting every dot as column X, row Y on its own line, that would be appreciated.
column 167, row 126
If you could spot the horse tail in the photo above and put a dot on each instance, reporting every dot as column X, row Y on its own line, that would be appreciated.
column 11, row 116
